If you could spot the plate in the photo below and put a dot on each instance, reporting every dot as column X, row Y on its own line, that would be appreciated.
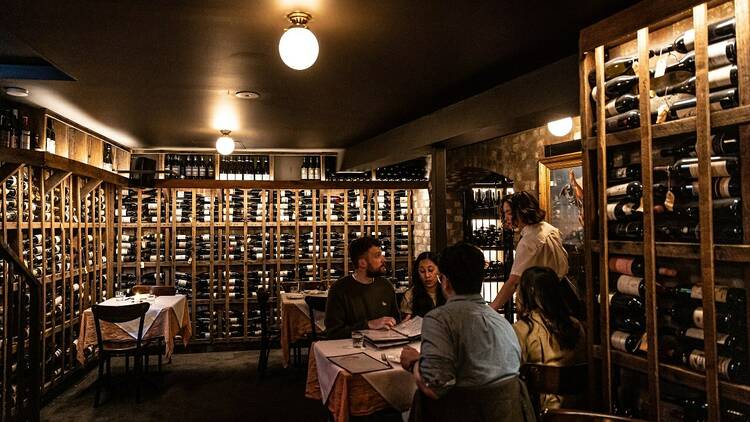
column 294, row 296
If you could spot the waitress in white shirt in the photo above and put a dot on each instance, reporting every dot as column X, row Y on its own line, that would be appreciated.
column 540, row 244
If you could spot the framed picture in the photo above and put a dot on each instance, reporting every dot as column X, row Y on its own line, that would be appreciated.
column 561, row 195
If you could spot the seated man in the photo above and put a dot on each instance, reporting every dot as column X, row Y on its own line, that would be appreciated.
column 364, row 299
column 470, row 358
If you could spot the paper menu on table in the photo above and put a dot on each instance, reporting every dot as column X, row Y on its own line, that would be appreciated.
column 359, row 363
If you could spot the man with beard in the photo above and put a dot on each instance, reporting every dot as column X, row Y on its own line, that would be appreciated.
column 364, row 299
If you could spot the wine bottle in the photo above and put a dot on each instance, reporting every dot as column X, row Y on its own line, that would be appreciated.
column 630, row 190
column 721, row 187
column 690, row 313
column 632, row 230
column 621, row 104
column 634, row 265
column 25, row 133
column 723, row 209
column 719, row 54
column 722, row 77
column 727, row 343
column 628, row 120
column 624, row 174
column 716, row 32
column 721, row 143
column 626, row 342
column 719, row 100
column 618, row 66
column 730, row 369
column 721, row 166
column 734, row 298
column 618, row 86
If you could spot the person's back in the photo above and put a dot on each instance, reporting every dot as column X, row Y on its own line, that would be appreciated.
column 470, row 358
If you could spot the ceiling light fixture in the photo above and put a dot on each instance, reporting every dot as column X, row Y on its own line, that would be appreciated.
column 225, row 143
column 298, row 47
column 247, row 95
column 560, row 127
column 15, row 91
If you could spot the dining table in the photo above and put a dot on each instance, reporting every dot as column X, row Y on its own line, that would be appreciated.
column 346, row 394
column 167, row 317
column 295, row 320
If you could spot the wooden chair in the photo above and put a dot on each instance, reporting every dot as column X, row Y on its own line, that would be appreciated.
column 315, row 304
column 548, row 379
column 163, row 290
column 568, row 415
column 108, row 349
column 141, row 289
column 269, row 332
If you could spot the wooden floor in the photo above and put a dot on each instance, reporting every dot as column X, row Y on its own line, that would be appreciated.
column 219, row 386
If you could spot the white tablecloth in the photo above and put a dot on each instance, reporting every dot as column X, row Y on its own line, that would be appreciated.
column 158, row 305
column 395, row 385
column 294, row 298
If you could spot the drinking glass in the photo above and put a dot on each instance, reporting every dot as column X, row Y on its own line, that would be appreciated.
column 294, row 288
column 358, row 340
column 120, row 295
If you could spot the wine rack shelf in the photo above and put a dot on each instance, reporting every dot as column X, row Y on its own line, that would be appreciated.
column 284, row 184
column 645, row 128
column 721, row 118
column 676, row 374
column 728, row 253
column 311, row 226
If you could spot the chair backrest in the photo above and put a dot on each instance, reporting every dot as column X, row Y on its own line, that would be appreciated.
column 263, row 297
column 569, row 415
column 548, row 379
column 141, row 289
column 315, row 303
column 163, row 290
column 115, row 314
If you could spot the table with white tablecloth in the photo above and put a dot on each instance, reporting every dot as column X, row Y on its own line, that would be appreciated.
column 295, row 320
column 347, row 394
column 167, row 317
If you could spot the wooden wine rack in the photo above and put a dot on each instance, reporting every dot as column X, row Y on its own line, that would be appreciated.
column 633, row 32
column 72, row 201
column 321, row 225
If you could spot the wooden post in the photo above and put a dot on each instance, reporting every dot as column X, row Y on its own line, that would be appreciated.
column 438, row 200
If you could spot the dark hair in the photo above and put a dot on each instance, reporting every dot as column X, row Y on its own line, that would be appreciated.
column 524, row 207
column 463, row 263
column 358, row 247
column 540, row 291
column 421, row 301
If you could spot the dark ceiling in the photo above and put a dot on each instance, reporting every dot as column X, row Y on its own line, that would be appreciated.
column 158, row 72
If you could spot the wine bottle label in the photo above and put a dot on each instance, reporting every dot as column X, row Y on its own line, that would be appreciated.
column 611, row 108
column 720, row 293
column 694, row 333
column 621, row 265
column 721, row 338
column 721, row 187
column 621, row 173
column 628, row 284
column 688, row 39
column 720, row 78
column 618, row 190
column 698, row 317
column 697, row 360
column 717, row 54
column 618, row 340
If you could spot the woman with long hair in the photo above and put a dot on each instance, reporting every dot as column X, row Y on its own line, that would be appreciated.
column 425, row 293
column 548, row 332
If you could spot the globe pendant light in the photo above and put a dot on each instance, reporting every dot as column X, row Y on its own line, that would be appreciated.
column 225, row 143
column 560, row 127
column 298, row 47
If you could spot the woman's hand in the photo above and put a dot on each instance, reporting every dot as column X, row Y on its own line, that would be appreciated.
column 409, row 356
column 406, row 318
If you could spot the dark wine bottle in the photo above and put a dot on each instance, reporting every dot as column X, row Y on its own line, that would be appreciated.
column 624, row 174
column 719, row 54
column 723, row 77
column 730, row 369
column 616, row 67
column 734, row 298
column 690, row 313
column 621, row 104
column 618, row 86
column 625, row 190
column 634, row 265
column 723, row 209
column 719, row 100
column 628, row 120
column 632, row 230
column 721, row 143
column 625, row 342
column 716, row 31
column 720, row 167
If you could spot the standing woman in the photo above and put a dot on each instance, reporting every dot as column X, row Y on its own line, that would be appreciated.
column 425, row 293
column 540, row 244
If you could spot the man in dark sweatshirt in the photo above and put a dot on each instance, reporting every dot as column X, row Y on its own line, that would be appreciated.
column 364, row 299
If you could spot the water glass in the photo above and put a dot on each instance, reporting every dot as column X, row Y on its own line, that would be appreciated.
column 358, row 340
column 120, row 295
column 294, row 288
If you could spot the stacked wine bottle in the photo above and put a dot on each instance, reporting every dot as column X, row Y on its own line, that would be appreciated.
column 673, row 84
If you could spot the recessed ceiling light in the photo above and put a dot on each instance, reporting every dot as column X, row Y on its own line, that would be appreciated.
column 247, row 95
column 15, row 91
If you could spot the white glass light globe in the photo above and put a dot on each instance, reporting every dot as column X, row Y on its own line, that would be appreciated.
column 298, row 48
column 560, row 127
column 225, row 145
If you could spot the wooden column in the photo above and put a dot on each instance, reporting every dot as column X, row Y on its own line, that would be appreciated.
column 439, row 234
column 703, row 149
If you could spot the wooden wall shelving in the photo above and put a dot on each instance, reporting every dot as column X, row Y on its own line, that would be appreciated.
column 632, row 33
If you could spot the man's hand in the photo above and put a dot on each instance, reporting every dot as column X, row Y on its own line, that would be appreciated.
column 409, row 356
column 406, row 318
column 384, row 322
